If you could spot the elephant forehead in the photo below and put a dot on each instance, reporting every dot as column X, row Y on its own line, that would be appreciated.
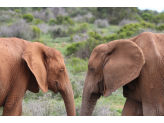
column 57, row 63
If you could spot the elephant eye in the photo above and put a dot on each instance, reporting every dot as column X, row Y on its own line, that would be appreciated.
column 61, row 71
column 92, row 69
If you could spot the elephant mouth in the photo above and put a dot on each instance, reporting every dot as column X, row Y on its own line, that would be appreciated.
column 101, row 87
column 55, row 87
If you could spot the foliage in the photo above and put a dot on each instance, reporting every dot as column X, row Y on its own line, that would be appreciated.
column 101, row 23
column 44, row 106
column 78, row 37
column 38, row 21
column 160, row 28
column 52, row 21
column 58, row 31
column 116, row 14
column 158, row 18
column 29, row 17
column 44, row 28
column 36, row 32
column 19, row 29
column 79, row 65
column 73, row 48
column 147, row 16
column 80, row 29
column 40, row 41
column 61, row 20
column 126, row 21
column 75, row 11
column 85, row 47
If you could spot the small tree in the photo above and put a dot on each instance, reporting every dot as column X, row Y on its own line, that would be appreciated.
column 29, row 17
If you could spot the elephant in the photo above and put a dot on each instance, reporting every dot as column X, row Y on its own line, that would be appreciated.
column 31, row 66
column 136, row 64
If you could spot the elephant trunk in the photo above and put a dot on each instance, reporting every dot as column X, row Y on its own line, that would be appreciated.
column 87, row 107
column 68, row 98
column 88, row 102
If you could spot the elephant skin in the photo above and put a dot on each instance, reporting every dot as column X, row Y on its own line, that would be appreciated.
column 135, row 64
column 31, row 66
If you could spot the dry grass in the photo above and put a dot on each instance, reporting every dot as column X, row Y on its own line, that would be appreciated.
column 44, row 106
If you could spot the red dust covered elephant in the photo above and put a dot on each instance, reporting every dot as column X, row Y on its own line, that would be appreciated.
column 137, row 64
column 30, row 66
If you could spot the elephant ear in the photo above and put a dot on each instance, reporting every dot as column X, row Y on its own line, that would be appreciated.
column 35, row 57
column 122, row 63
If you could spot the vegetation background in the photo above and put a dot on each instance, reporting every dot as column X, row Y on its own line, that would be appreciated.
column 75, row 32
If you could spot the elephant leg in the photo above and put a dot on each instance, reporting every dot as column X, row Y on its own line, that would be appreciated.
column 132, row 108
column 13, row 103
column 12, row 109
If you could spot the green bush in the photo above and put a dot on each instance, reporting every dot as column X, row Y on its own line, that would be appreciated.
column 38, row 21
column 160, row 28
column 61, row 20
column 80, row 29
column 52, row 22
column 29, row 17
column 85, row 48
column 72, row 48
column 58, row 32
column 40, row 40
column 17, row 10
column 79, row 65
column 158, row 18
column 147, row 16
column 147, row 25
column 36, row 32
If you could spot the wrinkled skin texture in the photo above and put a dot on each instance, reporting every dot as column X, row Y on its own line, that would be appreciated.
column 136, row 65
column 31, row 66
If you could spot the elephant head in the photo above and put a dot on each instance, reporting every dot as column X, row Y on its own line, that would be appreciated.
column 111, row 66
column 48, row 71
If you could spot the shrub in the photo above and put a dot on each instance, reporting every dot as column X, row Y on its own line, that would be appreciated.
column 126, row 21
column 58, row 11
column 44, row 28
column 77, row 38
column 52, row 21
column 17, row 10
column 83, row 49
column 29, row 17
column 40, row 40
column 19, row 29
column 103, row 109
column 82, row 28
column 58, row 31
column 73, row 48
column 101, row 23
column 38, row 21
column 158, row 18
column 44, row 15
column 36, row 32
column 61, row 20
column 147, row 25
column 45, row 106
column 160, row 28
column 79, row 65
column 86, row 18
column 147, row 16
